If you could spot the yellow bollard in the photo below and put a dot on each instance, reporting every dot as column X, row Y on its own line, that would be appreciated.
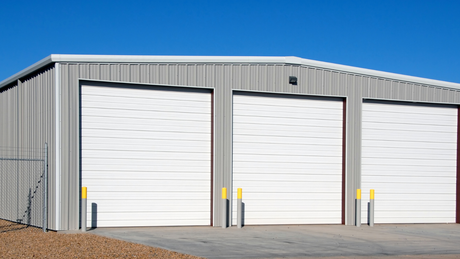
column 358, row 208
column 239, row 218
column 224, row 193
column 83, row 208
column 371, row 209
column 224, row 208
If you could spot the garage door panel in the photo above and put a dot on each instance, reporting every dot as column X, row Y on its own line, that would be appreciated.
column 407, row 136
column 270, row 149
column 271, row 167
column 146, row 133
column 177, row 147
column 154, row 175
column 415, row 163
column 398, row 145
column 401, row 109
column 386, row 152
column 142, row 104
column 423, row 214
column 141, row 144
column 200, row 198
column 286, row 140
column 189, row 95
column 142, row 215
column 409, row 157
column 287, row 152
column 281, row 121
column 159, row 190
column 391, row 169
column 288, row 178
column 281, row 116
column 146, row 222
column 431, row 201
column 146, row 155
column 396, row 118
column 286, row 159
column 261, row 130
column 403, row 179
column 122, row 154
column 164, row 125
column 281, row 101
column 104, row 168
column 144, row 114
column 408, row 127
column 161, row 97
column 285, row 103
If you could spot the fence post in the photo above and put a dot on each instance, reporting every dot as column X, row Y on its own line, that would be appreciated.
column 358, row 208
column 371, row 209
column 240, row 208
column 224, row 209
column 45, row 191
column 83, row 209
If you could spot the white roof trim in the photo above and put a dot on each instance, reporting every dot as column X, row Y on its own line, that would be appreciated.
column 222, row 59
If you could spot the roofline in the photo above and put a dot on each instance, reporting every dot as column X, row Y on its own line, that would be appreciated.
column 56, row 58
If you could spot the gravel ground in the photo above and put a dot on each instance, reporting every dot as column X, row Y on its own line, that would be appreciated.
column 19, row 241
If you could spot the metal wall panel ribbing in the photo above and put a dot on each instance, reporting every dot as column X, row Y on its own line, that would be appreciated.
column 9, row 116
column 260, row 78
column 27, row 121
column 9, row 129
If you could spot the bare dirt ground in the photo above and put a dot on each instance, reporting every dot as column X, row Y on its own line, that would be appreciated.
column 19, row 241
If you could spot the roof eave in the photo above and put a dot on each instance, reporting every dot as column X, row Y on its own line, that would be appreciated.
column 222, row 59
column 42, row 63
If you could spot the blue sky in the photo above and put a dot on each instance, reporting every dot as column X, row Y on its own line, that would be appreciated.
column 419, row 38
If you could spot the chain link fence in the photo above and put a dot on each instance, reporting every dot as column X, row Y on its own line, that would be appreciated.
column 23, row 187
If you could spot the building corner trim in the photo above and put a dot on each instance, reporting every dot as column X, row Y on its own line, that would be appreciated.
column 58, row 144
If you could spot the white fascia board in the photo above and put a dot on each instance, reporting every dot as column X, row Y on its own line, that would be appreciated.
column 225, row 59
column 165, row 59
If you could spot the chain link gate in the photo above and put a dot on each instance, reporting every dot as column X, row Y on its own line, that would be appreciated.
column 24, row 186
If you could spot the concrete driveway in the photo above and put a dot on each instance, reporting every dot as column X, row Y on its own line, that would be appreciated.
column 300, row 241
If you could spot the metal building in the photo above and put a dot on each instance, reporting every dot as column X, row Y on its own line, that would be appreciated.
column 155, row 138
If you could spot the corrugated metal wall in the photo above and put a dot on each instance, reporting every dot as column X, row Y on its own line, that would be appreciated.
column 27, row 121
column 224, row 78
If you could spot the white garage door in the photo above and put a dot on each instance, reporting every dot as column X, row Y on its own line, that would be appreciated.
column 409, row 157
column 287, row 158
column 146, row 156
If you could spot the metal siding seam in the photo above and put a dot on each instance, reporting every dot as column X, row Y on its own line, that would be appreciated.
column 163, row 74
column 73, row 172
column 104, row 71
column 93, row 71
column 344, row 152
column 58, row 145
column 353, row 167
column 200, row 74
column 457, row 216
column 114, row 72
column 400, row 89
column 172, row 74
column 144, row 73
column 227, row 84
column 153, row 73
column 212, row 160
column 444, row 92
column 182, row 74
column 134, row 73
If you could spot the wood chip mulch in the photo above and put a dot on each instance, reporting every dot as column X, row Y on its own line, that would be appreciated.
column 19, row 241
